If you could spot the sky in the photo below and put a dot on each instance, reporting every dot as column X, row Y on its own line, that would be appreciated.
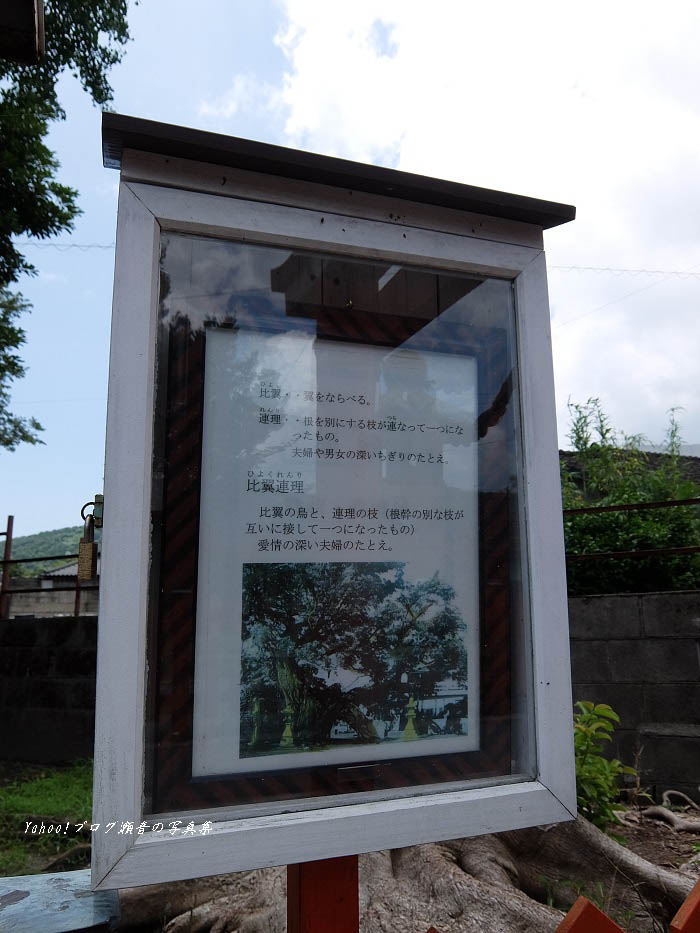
column 596, row 105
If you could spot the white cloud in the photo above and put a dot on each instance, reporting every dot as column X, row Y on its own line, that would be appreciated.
column 247, row 92
column 108, row 189
column 53, row 278
column 593, row 104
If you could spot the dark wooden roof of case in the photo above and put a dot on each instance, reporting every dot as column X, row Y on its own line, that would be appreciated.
column 122, row 132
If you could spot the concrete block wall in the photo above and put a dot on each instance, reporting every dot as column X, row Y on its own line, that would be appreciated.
column 47, row 689
column 51, row 603
column 641, row 654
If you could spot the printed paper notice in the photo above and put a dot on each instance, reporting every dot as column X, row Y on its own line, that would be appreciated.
column 338, row 596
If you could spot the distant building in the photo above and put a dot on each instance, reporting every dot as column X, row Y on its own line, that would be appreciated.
column 689, row 466
column 57, row 596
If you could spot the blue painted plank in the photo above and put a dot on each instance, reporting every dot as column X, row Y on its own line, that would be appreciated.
column 56, row 903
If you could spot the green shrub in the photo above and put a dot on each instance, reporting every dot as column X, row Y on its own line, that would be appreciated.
column 608, row 467
column 597, row 788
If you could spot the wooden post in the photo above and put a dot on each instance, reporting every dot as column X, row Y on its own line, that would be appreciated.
column 687, row 920
column 4, row 586
column 323, row 896
column 585, row 917
column 76, row 601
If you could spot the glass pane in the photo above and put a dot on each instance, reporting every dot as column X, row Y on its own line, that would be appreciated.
column 337, row 602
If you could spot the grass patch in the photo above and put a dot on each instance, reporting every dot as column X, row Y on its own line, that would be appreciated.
column 58, row 792
column 33, row 794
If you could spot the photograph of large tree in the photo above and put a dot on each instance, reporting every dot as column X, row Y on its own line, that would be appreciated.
column 340, row 654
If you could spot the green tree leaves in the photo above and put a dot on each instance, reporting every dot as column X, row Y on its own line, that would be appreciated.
column 85, row 37
column 597, row 787
column 13, row 430
column 609, row 468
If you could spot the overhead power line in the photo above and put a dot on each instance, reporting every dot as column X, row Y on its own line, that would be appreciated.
column 688, row 272
column 600, row 270
column 610, row 270
column 62, row 247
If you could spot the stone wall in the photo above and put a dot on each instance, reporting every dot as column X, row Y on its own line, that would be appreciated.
column 641, row 654
column 47, row 689
column 52, row 601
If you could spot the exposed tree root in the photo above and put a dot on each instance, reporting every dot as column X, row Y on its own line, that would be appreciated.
column 517, row 881
column 257, row 904
column 666, row 799
column 154, row 906
column 629, row 818
column 82, row 849
column 577, row 858
column 675, row 820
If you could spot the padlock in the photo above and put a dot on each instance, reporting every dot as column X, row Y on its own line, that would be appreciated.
column 87, row 551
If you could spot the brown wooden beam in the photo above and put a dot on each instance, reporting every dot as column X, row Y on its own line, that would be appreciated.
column 323, row 896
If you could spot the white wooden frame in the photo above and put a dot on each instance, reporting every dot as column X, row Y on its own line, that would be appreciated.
column 159, row 193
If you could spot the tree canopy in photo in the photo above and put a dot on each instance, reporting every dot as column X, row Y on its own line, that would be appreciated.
column 348, row 642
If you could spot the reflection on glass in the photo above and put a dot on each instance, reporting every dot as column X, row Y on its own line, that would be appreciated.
column 356, row 498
